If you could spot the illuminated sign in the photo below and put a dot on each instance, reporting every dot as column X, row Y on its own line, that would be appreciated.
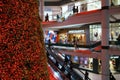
column 114, row 57
column 76, row 31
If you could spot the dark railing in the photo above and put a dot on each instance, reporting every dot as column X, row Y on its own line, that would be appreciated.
column 80, row 46
column 93, row 45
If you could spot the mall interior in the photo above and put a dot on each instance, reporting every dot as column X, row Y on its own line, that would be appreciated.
column 59, row 39
column 85, row 38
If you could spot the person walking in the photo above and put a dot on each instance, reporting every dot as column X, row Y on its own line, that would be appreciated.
column 46, row 17
column 58, row 17
column 118, row 40
column 86, row 75
column 112, row 77
column 74, row 9
column 49, row 44
column 75, row 42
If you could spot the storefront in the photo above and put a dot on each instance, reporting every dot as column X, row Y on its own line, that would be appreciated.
column 63, row 37
column 114, row 31
column 79, row 35
column 115, row 63
column 114, row 2
column 50, row 34
column 93, row 5
column 86, row 63
column 75, row 59
column 66, row 36
column 95, row 32
column 94, row 65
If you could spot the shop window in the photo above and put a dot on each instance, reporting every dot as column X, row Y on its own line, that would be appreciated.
column 93, row 4
column 86, row 62
column 95, row 32
column 114, row 31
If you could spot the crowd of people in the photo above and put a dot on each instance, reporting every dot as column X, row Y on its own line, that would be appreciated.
column 75, row 9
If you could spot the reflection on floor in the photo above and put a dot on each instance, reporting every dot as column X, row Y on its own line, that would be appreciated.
column 53, row 74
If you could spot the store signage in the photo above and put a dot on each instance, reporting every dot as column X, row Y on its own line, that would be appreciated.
column 114, row 57
column 76, row 31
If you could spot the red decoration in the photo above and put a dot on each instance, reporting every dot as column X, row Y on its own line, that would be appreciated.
column 84, row 51
column 98, row 48
column 22, row 53
column 52, row 77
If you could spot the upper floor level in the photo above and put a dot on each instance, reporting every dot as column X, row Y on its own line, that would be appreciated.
column 66, row 10
column 87, row 17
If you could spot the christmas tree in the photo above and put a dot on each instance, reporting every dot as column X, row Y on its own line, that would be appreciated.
column 22, row 52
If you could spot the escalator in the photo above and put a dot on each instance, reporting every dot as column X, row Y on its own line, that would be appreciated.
column 63, row 68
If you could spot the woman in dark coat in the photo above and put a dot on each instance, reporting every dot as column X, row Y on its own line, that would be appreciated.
column 118, row 40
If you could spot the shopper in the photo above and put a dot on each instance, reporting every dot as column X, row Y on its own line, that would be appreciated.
column 112, row 4
column 74, row 10
column 46, row 17
column 118, row 40
column 112, row 77
column 58, row 17
column 86, row 75
column 75, row 42
column 49, row 43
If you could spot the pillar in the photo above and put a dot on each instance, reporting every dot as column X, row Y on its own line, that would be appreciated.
column 105, row 39
column 87, row 31
column 41, row 9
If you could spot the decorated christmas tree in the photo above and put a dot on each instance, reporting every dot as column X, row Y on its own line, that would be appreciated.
column 22, row 52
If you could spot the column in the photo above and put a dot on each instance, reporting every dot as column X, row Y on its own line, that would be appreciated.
column 95, row 65
column 41, row 9
column 87, row 31
column 105, row 39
